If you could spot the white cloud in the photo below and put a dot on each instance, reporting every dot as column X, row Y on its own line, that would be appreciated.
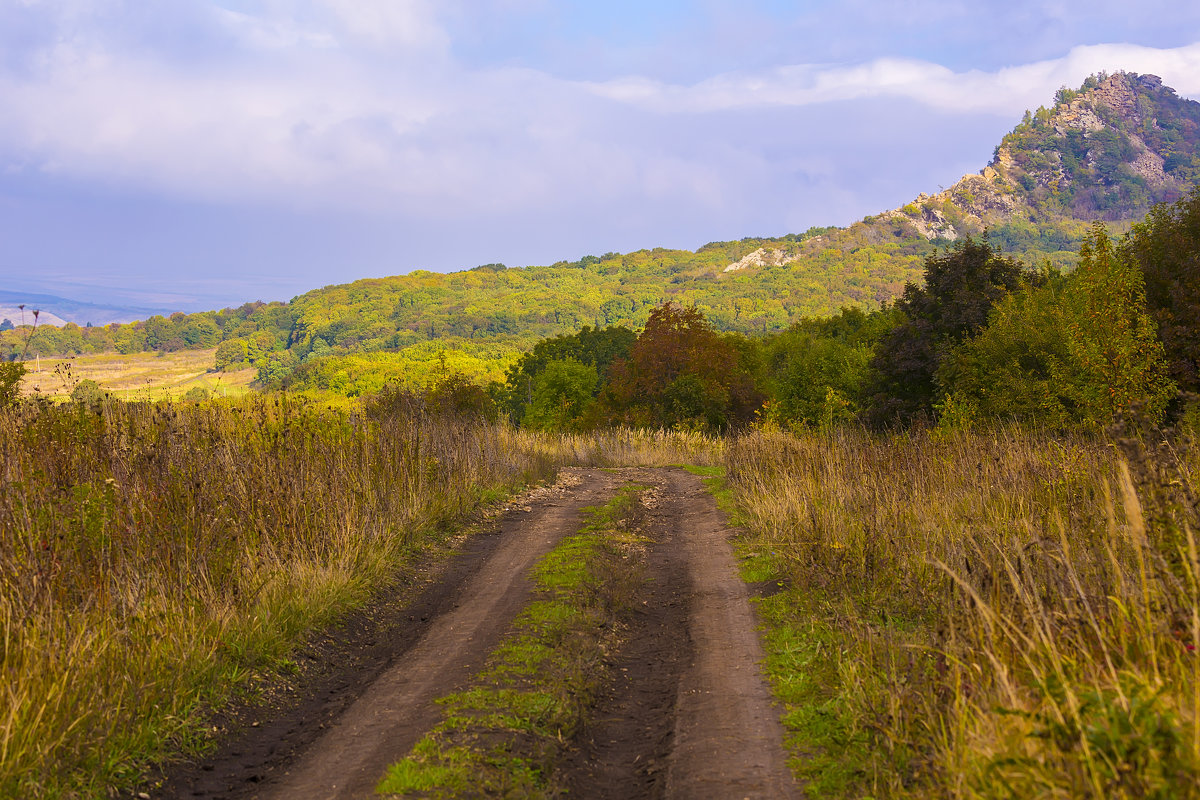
column 1005, row 92
column 300, row 115
column 408, row 23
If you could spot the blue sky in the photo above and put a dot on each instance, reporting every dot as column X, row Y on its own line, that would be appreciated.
column 196, row 153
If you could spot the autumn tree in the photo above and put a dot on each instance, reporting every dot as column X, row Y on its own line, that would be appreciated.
column 680, row 372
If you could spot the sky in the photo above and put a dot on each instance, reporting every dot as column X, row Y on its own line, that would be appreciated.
column 198, row 154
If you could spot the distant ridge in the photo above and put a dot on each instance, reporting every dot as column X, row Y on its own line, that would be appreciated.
column 1107, row 151
column 60, row 310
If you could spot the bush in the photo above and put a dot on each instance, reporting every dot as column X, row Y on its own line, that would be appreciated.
column 11, row 373
column 87, row 391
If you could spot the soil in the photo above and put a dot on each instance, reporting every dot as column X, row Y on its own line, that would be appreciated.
column 687, row 714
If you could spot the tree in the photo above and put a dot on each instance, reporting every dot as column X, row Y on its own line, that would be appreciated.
column 1166, row 248
column 681, row 372
column 597, row 347
column 1114, row 346
column 87, row 392
column 1074, row 351
column 11, row 373
column 456, row 395
column 231, row 354
column 563, row 393
column 961, row 286
column 819, row 368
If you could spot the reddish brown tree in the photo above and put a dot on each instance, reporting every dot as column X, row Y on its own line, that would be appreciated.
column 680, row 372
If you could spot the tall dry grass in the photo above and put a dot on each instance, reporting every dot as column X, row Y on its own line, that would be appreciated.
column 628, row 447
column 152, row 556
column 1007, row 614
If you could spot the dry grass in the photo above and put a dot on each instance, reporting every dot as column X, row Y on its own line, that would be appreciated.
column 989, row 614
column 153, row 556
column 626, row 447
column 137, row 376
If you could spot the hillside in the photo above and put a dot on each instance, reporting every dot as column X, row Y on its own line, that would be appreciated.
column 1107, row 151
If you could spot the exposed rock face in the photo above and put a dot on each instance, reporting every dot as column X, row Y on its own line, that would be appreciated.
column 762, row 257
column 1087, row 150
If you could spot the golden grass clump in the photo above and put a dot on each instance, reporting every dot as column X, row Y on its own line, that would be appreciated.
column 153, row 556
column 1009, row 614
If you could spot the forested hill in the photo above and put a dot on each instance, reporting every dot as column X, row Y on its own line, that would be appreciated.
column 1106, row 151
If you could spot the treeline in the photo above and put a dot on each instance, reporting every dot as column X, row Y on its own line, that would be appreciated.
column 984, row 337
column 260, row 327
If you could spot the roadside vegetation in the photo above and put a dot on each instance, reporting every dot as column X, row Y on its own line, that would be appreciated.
column 502, row 735
column 155, row 557
column 995, row 613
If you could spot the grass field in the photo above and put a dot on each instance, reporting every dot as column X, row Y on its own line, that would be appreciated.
column 137, row 376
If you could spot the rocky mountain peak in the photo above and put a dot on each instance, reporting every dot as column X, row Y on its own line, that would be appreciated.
column 1108, row 151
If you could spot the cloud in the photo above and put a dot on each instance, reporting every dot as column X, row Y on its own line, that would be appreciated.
column 1006, row 91
column 360, row 105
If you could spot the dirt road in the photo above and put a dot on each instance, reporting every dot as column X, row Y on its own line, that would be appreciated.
column 688, row 715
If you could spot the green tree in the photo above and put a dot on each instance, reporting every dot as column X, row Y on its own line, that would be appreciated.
column 1113, row 342
column 1166, row 247
column 961, row 286
column 819, row 369
column 597, row 347
column 1074, row 351
column 87, row 392
column 11, row 373
column 563, row 393
column 457, row 395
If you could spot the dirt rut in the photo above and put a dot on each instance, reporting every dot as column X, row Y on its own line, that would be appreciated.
column 687, row 715
column 338, row 740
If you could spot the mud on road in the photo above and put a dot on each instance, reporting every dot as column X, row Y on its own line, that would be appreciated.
column 686, row 713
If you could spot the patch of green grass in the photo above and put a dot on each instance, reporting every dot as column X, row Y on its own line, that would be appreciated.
column 829, row 752
column 501, row 736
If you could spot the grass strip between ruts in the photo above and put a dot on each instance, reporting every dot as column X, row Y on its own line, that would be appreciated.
column 502, row 735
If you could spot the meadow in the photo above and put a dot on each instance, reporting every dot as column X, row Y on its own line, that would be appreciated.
column 136, row 376
column 979, row 614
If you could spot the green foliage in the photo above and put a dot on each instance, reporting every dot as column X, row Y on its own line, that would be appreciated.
column 1074, row 351
column 415, row 367
column 597, row 347
column 1014, row 368
column 457, row 396
column 563, row 393
column 1166, row 247
column 1113, row 342
column 961, row 286
column 819, row 368
column 87, row 391
column 231, row 355
column 11, row 374
column 196, row 394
